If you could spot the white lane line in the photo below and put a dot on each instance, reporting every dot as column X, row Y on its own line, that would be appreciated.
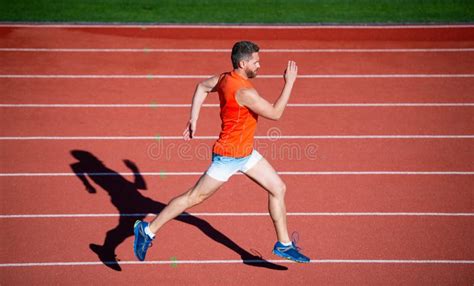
column 243, row 214
column 292, row 173
column 273, row 138
column 237, row 261
column 166, row 50
column 220, row 26
column 402, row 104
column 308, row 76
column 184, row 105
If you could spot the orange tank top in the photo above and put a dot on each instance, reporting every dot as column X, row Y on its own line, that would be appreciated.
column 238, row 122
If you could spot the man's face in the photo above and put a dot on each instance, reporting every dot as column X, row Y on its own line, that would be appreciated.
column 252, row 65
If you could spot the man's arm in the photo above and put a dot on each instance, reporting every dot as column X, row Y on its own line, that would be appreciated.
column 251, row 99
column 139, row 181
column 200, row 94
column 81, row 174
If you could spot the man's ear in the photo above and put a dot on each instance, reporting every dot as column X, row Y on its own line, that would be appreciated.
column 242, row 64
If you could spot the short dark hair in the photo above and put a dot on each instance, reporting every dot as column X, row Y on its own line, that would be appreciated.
column 242, row 50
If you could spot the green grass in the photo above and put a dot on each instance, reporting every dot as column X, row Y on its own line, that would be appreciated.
column 246, row 11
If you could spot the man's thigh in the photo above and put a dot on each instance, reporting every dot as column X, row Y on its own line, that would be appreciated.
column 265, row 175
column 206, row 186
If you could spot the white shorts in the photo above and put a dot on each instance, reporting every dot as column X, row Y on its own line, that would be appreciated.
column 222, row 167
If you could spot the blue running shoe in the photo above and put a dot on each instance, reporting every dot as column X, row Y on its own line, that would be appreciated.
column 142, row 240
column 290, row 252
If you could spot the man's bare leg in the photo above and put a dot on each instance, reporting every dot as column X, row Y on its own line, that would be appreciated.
column 204, row 188
column 264, row 174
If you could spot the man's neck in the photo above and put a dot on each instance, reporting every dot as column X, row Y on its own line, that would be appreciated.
column 241, row 73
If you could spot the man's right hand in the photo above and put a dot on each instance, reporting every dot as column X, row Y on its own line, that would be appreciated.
column 291, row 72
column 190, row 130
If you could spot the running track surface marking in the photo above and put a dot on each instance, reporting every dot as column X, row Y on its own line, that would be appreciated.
column 423, row 262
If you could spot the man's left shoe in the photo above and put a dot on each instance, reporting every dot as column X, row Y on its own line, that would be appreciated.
column 290, row 252
column 142, row 240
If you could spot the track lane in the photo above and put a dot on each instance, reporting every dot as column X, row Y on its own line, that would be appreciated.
column 167, row 91
column 150, row 121
column 331, row 194
column 315, row 155
column 421, row 238
column 221, row 37
column 179, row 63
column 324, row 274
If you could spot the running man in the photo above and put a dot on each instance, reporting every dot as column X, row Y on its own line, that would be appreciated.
column 240, row 106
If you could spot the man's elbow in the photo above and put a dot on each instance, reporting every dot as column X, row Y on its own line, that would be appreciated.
column 203, row 87
column 200, row 87
column 275, row 116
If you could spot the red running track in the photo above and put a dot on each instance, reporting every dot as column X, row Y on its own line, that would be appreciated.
column 360, row 229
column 208, row 63
column 158, row 91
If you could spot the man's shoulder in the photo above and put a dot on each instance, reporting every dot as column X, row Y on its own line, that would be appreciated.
column 246, row 95
column 248, row 90
column 223, row 76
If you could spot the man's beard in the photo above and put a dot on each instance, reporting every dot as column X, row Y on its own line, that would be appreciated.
column 250, row 73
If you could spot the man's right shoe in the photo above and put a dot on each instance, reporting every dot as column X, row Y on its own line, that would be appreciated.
column 290, row 252
column 142, row 240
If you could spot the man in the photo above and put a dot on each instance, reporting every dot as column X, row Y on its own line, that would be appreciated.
column 240, row 107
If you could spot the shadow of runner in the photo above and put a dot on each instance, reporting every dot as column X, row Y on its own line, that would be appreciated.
column 132, row 205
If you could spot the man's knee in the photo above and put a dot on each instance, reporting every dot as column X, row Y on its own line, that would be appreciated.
column 197, row 199
column 279, row 189
column 192, row 198
column 196, row 196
